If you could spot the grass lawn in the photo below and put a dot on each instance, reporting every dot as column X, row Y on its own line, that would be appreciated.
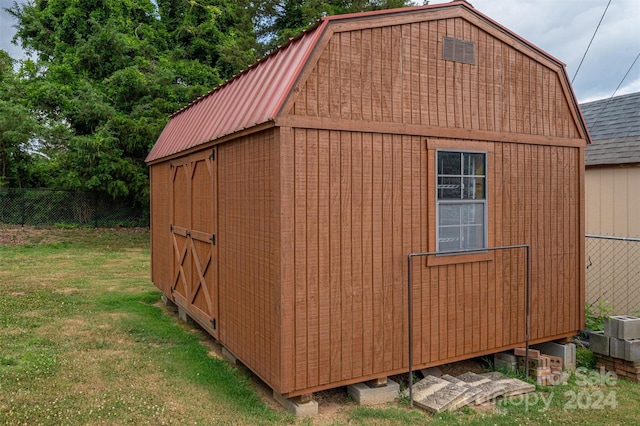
column 85, row 341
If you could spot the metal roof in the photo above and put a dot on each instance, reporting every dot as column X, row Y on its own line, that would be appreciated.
column 614, row 124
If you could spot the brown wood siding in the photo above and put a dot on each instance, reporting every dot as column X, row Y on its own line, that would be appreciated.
column 161, row 248
column 248, row 241
column 363, row 201
column 396, row 74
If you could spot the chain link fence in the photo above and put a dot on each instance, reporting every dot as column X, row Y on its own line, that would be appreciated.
column 44, row 207
column 612, row 277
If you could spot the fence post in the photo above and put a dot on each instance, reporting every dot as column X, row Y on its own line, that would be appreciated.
column 95, row 209
column 22, row 208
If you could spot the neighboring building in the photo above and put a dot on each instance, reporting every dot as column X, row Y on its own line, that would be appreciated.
column 285, row 202
column 612, row 181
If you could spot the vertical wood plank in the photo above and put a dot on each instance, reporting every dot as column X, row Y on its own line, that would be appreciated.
column 367, row 74
column 399, row 289
column 356, row 72
column 324, row 257
column 346, row 230
column 387, row 251
column 314, row 323
column 335, row 255
column 378, row 251
column 334, row 87
column 300, row 256
column 344, row 63
column 368, row 231
column 357, row 255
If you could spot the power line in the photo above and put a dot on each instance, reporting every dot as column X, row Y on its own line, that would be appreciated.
column 592, row 37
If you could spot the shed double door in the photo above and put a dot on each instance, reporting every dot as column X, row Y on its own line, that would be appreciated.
column 193, row 226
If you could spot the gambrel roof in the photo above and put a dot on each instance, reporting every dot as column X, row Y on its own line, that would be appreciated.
column 614, row 124
column 257, row 97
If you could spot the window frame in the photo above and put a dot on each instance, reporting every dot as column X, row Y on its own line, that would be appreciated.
column 462, row 201
column 492, row 188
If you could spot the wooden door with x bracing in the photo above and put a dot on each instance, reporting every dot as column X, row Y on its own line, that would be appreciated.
column 193, row 224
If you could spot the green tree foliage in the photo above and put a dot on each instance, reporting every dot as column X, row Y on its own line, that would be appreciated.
column 105, row 75
column 18, row 130
column 279, row 20
column 108, row 74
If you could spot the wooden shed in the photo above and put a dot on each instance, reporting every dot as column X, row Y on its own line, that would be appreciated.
column 284, row 203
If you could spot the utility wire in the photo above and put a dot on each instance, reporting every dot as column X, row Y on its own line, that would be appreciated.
column 592, row 37
column 593, row 126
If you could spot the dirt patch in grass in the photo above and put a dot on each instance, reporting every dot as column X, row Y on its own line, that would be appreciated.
column 16, row 235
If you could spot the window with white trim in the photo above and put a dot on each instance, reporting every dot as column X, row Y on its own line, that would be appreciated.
column 461, row 200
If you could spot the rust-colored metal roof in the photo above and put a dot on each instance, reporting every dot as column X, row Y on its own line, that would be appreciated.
column 253, row 97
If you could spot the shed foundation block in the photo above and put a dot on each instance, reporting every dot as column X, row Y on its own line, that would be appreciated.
column 565, row 351
column 616, row 347
column 169, row 304
column 184, row 317
column 366, row 395
column 229, row 356
column 299, row 409
column 599, row 343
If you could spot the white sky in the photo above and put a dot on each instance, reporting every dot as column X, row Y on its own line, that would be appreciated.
column 563, row 28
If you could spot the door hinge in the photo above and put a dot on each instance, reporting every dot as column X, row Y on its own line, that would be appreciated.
column 213, row 239
column 172, row 290
column 213, row 323
column 213, row 155
column 171, row 228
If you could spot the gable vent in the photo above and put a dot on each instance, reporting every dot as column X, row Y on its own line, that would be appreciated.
column 457, row 50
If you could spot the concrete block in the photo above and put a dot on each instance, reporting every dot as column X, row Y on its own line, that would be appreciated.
column 616, row 348
column 301, row 410
column 628, row 327
column 431, row 371
column 184, row 317
column 169, row 304
column 610, row 327
column 565, row 351
column 505, row 356
column 501, row 364
column 632, row 350
column 599, row 342
column 366, row 395
column 229, row 356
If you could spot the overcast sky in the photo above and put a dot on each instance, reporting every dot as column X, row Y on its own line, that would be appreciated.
column 563, row 28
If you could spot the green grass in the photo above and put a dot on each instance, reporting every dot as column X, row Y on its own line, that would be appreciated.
column 84, row 340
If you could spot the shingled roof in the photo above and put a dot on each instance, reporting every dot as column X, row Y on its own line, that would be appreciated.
column 614, row 124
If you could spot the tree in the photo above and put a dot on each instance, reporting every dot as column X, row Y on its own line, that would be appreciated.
column 111, row 72
column 279, row 20
column 106, row 75
column 18, row 128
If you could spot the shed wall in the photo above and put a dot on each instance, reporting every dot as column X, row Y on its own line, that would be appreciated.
column 248, row 241
column 363, row 201
column 396, row 74
column 161, row 248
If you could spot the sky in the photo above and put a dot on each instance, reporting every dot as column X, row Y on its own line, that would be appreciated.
column 562, row 28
